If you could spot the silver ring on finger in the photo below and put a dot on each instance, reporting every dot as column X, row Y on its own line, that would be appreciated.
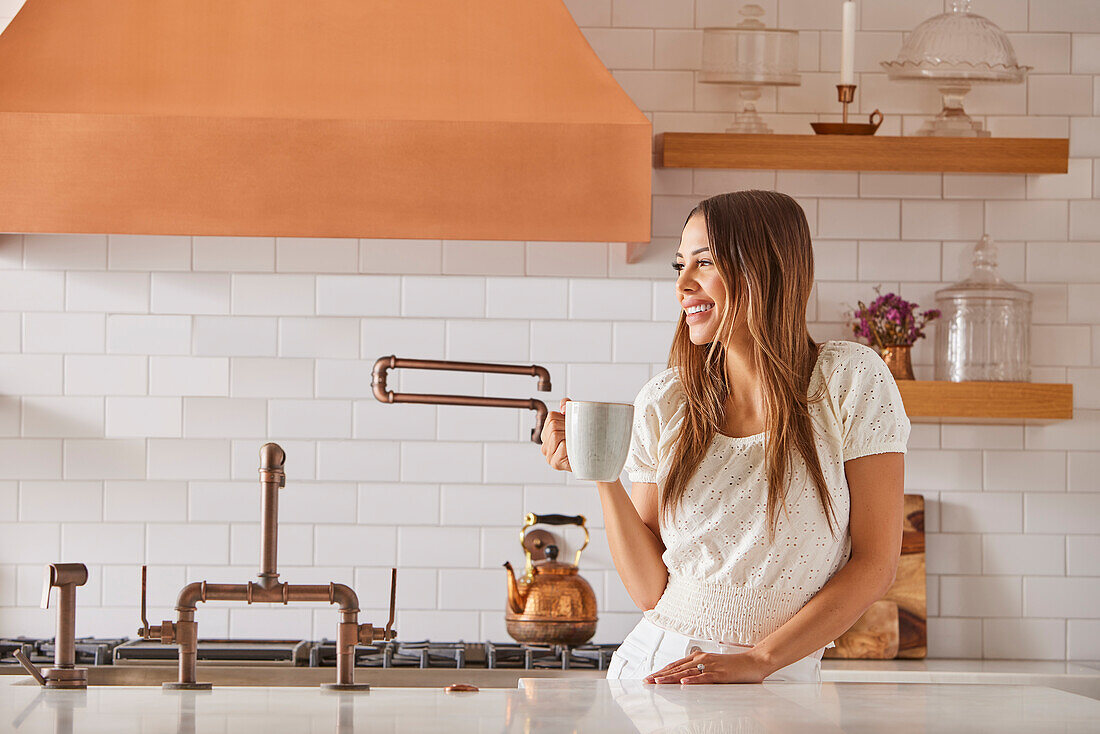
column 702, row 668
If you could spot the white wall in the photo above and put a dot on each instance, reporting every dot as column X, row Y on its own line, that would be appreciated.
column 139, row 375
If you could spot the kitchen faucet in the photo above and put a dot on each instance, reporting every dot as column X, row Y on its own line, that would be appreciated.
column 382, row 364
column 350, row 633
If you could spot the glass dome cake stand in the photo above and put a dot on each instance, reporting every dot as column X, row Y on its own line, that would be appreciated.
column 956, row 50
column 750, row 56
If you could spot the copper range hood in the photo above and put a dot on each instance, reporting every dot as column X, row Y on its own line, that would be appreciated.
column 440, row 119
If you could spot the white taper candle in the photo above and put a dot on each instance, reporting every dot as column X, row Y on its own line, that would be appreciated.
column 848, row 42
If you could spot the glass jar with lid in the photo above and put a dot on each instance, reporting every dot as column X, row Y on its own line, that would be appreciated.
column 985, row 325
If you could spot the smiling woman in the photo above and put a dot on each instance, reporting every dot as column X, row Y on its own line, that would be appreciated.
column 765, row 512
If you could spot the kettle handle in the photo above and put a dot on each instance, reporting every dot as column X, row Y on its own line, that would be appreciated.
column 533, row 519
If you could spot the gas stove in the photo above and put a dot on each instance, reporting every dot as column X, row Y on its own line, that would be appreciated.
column 301, row 653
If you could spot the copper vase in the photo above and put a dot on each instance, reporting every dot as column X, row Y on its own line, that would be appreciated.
column 898, row 359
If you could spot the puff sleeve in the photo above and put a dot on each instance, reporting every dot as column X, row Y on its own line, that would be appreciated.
column 872, row 417
column 658, row 413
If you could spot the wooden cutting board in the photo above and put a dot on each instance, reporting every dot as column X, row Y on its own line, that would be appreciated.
column 896, row 624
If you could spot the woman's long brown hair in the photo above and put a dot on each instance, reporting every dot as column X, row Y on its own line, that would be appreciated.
column 760, row 243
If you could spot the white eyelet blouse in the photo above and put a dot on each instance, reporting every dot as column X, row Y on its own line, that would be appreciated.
column 725, row 583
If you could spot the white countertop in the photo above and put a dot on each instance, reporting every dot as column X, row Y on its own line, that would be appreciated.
column 555, row 705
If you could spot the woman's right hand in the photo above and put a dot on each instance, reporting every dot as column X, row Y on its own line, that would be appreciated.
column 553, row 439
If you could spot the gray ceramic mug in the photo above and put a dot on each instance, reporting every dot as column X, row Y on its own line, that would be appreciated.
column 597, row 438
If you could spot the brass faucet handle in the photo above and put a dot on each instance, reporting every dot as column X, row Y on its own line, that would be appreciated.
column 165, row 632
column 30, row 667
column 389, row 633
column 62, row 574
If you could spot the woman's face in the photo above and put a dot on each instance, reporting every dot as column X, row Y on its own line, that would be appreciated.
column 699, row 284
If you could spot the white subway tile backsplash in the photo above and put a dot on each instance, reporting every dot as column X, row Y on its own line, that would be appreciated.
column 190, row 293
column 236, row 336
column 907, row 260
column 601, row 300
column 1061, row 597
column 143, row 417
column 944, row 470
column 358, row 295
column 400, row 257
column 1084, row 220
column 317, row 502
column 641, row 342
column 141, row 501
column 178, row 543
column 488, row 341
column 9, row 501
column 525, row 298
column 113, row 292
column 443, row 296
column 440, row 461
column 375, row 419
column 962, row 436
column 188, row 376
column 356, row 545
column 616, row 383
column 148, row 334
column 438, row 547
column 358, row 460
column 1027, row 639
column 678, row 49
column 234, row 254
column 478, row 505
column 571, row 341
column 981, row 512
column 1060, row 345
column 25, row 290
column 1084, row 471
column 1082, row 302
column 333, row 338
column 224, row 417
column 479, row 423
column 859, row 219
column 316, row 255
column 468, row 588
column 63, row 332
column 1065, row 262
column 954, row 553
column 105, row 375
column 417, row 504
column 273, row 295
column 148, row 252
column 312, row 419
column 1032, row 555
column 1071, row 512
column 1025, row 471
column 65, row 251
column 415, row 338
column 188, row 458
column 518, row 462
column 980, row 596
column 567, row 259
column 1082, row 552
column 262, row 377
column 1080, row 434
column 60, row 501
column 95, row 543
column 98, row 459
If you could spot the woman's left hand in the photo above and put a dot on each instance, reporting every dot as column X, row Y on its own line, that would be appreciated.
column 717, row 668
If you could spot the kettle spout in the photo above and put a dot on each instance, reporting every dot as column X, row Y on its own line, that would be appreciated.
column 516, row 598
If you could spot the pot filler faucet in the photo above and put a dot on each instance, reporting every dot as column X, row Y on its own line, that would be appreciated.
column 184, row 631
column 382, row 364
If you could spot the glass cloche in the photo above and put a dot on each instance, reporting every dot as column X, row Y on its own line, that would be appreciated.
column 955, row 50
column 984, row 328
column 750, row 56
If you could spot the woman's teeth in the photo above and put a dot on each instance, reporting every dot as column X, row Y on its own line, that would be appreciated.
column 700, row 309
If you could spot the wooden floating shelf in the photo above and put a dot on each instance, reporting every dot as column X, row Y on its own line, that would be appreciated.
column 862, row 153
column 928, row 401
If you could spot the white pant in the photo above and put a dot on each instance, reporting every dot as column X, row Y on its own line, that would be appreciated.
column 648, row 648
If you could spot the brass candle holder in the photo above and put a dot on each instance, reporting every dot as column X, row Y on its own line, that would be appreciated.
column 845, row 93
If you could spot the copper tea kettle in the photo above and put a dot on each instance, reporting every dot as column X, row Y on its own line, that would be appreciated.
column 550, row 603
